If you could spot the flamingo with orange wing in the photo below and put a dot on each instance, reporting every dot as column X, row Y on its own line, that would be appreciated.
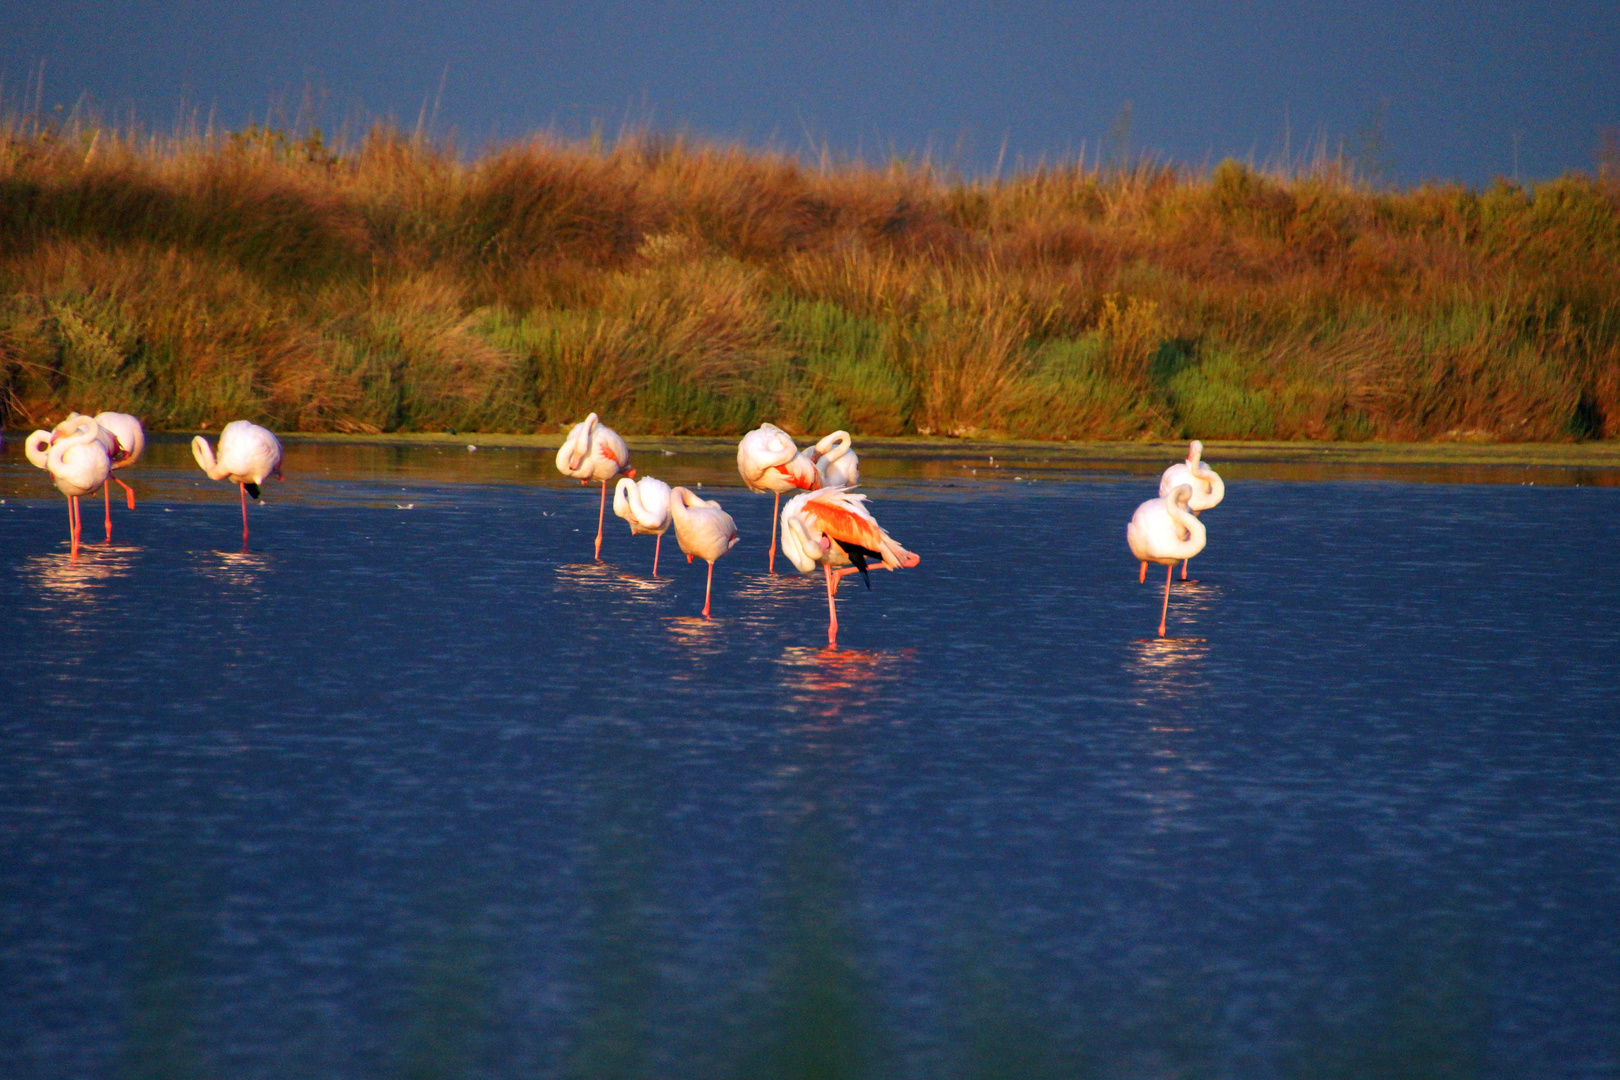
column 833, row 529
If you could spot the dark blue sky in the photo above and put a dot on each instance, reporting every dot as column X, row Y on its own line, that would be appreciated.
column 1456, row 83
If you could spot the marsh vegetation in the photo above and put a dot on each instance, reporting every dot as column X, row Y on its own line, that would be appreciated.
column 390, row 283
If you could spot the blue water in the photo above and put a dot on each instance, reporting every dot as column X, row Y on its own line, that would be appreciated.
column 413, row 788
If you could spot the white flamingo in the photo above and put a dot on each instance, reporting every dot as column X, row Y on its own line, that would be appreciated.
column 834, row 529
column 1165, row 531
column 703, row 530
column 77, row 461
column 1207, row 487
column 594, row 452
column 644, row 504
column 836, row 464
column 247, row 455
column 128, row 444
column 768, row 461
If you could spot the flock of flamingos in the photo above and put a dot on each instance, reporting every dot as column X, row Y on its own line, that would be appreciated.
column 824, row 524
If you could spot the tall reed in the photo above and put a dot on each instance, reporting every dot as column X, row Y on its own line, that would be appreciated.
column 677, row 286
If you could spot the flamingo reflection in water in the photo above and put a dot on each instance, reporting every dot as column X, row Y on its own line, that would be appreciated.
column 77, row 579
column 833, row 529
column 838, row 685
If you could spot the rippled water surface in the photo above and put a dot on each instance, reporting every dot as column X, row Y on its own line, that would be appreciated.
column 413, row 788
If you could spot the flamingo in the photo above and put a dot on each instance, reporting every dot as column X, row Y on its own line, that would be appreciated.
column 77, row 461
column 644, row 504
column 128, row 443
column 1207, row 487
column 247, row 454
column 1164, row 530
column 768, row 461
column 703, row 530
column 836, row 464
column 833, row 528
column 594, row 451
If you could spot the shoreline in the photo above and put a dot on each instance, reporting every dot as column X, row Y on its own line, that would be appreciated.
column 1596, row 454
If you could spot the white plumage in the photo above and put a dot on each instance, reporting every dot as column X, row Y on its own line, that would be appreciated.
column 769, row 461
column 644, row 504
column 1165, row 531
column 594, row 452
column 837, row 465
column 833, row 529
column 703, row 530
column 247, row 455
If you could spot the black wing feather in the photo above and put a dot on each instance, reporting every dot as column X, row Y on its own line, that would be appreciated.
column 859, row 555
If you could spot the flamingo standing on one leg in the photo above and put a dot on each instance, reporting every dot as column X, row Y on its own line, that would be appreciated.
column 247, row 455
column 1165, row 531
column 594, row 451
column 834, row 529
column 836, row 464
column 38, row 445
column 644, row 504
column 77, row 462
column 128, row 443
column 1207, row 487
column 768, row 461
column 703, row 530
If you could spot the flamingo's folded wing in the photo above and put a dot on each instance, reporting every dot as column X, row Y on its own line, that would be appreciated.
column 849, row 526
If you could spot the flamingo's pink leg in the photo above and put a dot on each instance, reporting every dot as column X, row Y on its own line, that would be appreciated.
column 832, row 608
column 73, row 525
column 1167, row 571
column 601, row 516
column 656, row 546
column 1143, row 575
column 106, row 498
column 706, row 590
column 244, row 512
column 129, row 492
column 776, row 509
column 1184, row 563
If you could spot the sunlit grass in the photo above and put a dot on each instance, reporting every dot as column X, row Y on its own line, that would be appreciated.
column 678, row 287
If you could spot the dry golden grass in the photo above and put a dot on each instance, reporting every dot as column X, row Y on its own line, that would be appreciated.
column 688, row 288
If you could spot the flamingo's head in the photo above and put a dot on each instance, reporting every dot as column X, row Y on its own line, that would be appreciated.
column 1194, row 452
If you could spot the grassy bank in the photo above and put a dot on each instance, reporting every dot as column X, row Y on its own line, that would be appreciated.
column 681, row 288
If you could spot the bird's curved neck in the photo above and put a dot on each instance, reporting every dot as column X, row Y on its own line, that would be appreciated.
column 834, row 446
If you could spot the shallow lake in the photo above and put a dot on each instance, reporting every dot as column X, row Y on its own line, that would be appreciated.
column 413, row 788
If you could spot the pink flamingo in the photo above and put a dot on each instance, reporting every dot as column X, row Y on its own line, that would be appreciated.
column 247, row 455
column 834, row 529
column 644, row 504
column 77, row 462
column 128, row 443
column 1165, row 531
column 768, row 461
column 703, row 530
column 594, row 451
column 1207, row 487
